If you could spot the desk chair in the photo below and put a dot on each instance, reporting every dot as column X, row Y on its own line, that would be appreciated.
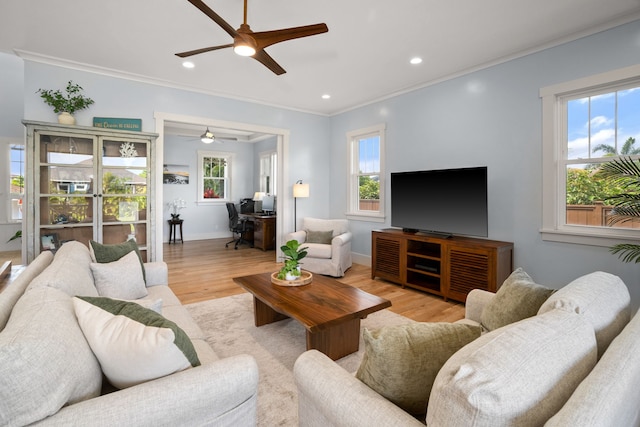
column 238, row 226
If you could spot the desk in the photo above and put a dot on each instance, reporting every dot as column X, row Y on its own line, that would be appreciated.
column 264, row 230
column 173, row 224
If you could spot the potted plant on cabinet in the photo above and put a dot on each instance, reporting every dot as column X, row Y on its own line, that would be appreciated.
column 66, row 104
column 293, row 253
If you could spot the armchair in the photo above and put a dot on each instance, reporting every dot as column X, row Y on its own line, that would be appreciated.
column 329, row 243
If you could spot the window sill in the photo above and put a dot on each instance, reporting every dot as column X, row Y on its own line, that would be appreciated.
column 586, row 238
column 212, row 202
column 373, row 217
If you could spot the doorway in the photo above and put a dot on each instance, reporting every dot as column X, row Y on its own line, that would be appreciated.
column 168, row 122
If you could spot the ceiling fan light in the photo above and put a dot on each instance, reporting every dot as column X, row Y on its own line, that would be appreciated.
column 207, row 137
column 244, row 50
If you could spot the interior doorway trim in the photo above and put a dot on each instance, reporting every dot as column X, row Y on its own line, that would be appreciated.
column 284, row 200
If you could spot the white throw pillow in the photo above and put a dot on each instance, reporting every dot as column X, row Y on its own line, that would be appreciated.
column 133, row 344
column 121, row 279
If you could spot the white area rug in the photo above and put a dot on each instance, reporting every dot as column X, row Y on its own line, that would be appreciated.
column 228, row 327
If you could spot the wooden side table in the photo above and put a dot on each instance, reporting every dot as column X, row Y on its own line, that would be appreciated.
column 173, row 226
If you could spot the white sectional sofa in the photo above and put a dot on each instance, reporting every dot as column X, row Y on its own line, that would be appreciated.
column 50, row 376
column 575, row 363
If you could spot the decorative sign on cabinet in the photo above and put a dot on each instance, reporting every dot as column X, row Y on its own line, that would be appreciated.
column 86, row 183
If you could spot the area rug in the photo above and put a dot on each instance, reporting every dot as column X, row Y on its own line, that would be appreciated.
column 228, row 327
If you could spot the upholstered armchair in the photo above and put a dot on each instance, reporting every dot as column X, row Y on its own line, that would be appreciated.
column 329, row 243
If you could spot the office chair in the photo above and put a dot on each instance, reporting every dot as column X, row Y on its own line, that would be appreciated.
column 238, row 226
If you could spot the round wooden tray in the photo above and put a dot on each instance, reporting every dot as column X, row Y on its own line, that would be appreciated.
column 305, row 278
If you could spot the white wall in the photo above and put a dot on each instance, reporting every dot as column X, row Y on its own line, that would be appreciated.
column 493, row 117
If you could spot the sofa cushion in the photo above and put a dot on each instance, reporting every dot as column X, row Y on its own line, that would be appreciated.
column 45, row 361
column 322, row 237
column 602, row 298
column 120, row 279
column 69, row 271
column 401, row 362
column 132, row 343
column 112, row 252
column 317, row 250
column 610, row 394
column 520, row 374
column 11, row 294
column 518, row 298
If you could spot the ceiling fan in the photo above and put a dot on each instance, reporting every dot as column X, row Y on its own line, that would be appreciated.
column 248, row 43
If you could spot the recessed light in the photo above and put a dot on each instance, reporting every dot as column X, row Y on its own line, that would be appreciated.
column 416, row 60
column 188, row 64
column 326, row 96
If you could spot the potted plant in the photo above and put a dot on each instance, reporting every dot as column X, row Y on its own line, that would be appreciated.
column 293, row 253
column 624, row 172
column 66, row 104
column 176, row 205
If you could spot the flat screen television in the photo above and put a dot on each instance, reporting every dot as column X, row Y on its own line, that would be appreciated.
column 444, row 202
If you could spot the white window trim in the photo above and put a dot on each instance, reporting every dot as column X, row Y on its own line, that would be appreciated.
column 6, row 179
column 200, row 200
column 353, row 213
column 273, row 172
column 553, row 175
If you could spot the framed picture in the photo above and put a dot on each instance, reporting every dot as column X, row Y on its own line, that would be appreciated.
column 175, row 174
column 49, row 242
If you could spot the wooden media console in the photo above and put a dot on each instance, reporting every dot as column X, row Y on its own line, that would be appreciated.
column 450, row 267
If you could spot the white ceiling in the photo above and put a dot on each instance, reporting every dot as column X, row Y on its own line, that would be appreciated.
column 364, row 56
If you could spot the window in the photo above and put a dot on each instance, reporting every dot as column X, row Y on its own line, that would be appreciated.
column 586, row 124
column 366, row 181
column 214, row 176
column 268, row 172
column 16, row 181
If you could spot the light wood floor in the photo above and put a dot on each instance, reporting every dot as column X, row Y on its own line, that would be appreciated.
column 204, row 269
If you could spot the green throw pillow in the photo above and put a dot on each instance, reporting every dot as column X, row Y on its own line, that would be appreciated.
column 401, row 362
column 323, row 237
column 133, row 344
column 518, row 298
column 102, row 253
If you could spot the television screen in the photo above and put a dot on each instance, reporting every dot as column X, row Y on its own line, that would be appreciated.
column 446, row 201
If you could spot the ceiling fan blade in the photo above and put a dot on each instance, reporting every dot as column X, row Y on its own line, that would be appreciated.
column 266, row 60
column 214, row 16
column 267, row 38
column 203, row 50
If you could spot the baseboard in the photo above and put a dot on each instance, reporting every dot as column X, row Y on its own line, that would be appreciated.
column 361, row 259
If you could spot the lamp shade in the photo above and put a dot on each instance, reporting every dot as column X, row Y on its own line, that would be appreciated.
column 258, row 195
column 300, row 190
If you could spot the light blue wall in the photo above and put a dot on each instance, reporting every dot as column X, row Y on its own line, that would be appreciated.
column 493, row 117
column 490, row 117
column 116, row 97
column 205, row 221
column 11, row 132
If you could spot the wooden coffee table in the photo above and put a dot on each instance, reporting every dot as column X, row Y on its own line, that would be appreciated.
column 329, row 310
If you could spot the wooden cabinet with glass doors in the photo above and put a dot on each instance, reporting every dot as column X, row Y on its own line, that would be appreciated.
column 86, row 184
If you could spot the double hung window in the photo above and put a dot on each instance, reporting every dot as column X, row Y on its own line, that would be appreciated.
column 16, row 183
column 588, row 123
column 366, row 180
column 214, row 176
